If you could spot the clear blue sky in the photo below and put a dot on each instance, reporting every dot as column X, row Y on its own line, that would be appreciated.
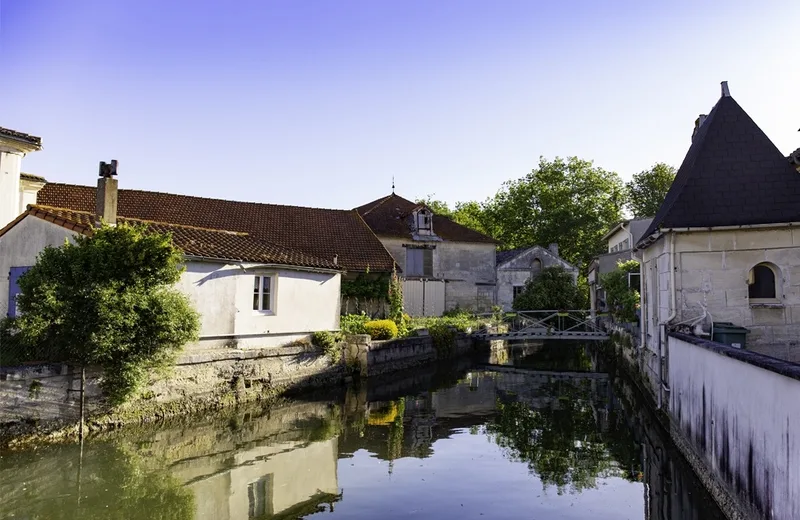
column 320, row 103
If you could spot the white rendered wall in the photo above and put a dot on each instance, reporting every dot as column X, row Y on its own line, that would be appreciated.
column 9, row 186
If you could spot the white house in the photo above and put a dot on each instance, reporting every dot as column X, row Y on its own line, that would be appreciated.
column 251, row 290
column 725, row 244
column 516, row 266
column 444, row 264
column 17, row 189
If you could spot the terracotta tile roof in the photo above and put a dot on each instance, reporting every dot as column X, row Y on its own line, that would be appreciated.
column 31, row 177
column 193, row 241
column 390, row 217
column 319, row 233
column 732, row 175
column 20, row 136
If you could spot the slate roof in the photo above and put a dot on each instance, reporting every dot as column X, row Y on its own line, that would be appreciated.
column 389, row 217
column 732, row 175
column 20, row 136
column 193, row 241
column 315, row 232
column 504, row 256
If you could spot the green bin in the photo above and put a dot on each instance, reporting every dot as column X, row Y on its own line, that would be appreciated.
column 730, row 334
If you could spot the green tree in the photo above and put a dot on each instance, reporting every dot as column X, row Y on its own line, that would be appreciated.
column 647, row 190
column 469, row 214
column 621, row 298
column 571, row 202
column 107, row 301
column 552, row 288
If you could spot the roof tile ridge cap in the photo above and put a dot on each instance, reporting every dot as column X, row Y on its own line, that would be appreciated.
column 45, row 207
column 183, row 226
column 369, row 229
column 380, row 203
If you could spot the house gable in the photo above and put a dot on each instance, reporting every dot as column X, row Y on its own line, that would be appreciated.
column 522, row 259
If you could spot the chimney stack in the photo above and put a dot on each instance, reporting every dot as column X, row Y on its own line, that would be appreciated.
column 553, row 248
column 106, row 208
column 725, row 90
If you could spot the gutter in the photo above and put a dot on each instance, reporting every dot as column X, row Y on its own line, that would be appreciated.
column 239, row 262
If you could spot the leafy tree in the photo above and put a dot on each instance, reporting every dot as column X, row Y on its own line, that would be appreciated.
column 470, row 214
column 647, row 190
column 621, row 298
column 571, row 202
column 106, row 300
column 552, row 288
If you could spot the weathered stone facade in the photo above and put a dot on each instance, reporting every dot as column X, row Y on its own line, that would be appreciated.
column 514, row 272
column 468, row 270
column 711, row 271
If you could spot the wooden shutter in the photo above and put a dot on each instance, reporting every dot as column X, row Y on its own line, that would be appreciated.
column 13, row 289
column 427, row 262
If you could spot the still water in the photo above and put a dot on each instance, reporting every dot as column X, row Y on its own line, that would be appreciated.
column 542, row 432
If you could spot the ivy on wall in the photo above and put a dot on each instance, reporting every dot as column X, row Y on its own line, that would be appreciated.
column 366, row 290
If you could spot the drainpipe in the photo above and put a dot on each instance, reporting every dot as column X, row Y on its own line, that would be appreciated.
column 663, row 324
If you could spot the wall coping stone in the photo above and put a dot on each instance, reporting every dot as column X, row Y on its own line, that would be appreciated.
column 779, row 366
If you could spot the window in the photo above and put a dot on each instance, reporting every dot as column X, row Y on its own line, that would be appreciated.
column 635, row 281
column 518, row 290
column 262, row 293
column 762, row 284
column 258, row 495
column 536, row 266
column 13, row 289
column 419, row 261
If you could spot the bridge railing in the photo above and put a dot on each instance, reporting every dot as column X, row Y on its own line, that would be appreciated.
column 552, row 321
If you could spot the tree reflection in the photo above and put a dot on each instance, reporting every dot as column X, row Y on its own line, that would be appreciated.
column 113, row 484
column 562, row 443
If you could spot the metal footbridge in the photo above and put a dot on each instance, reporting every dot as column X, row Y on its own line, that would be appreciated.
column 578, row 325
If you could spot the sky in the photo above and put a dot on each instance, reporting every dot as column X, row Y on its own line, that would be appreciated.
column 324, row 102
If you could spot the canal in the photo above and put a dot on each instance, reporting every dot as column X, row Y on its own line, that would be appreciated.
column 537, row 431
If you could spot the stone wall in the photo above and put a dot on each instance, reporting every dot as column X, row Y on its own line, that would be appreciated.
column 43, row 394
column 373, row 357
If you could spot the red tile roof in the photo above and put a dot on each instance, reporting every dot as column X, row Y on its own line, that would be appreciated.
column 193, row 241
column 315, row 232
column 390, row 217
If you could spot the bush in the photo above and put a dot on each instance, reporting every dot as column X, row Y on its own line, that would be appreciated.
column 443, row 335
column 328, row 342
column 354, row 323
column 381, row 329
column 554, row 288
column 621, row 299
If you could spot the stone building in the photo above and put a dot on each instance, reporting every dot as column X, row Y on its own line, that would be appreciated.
column 725, row 244
column 444, row 264
column 620, row 242
column 516, row 266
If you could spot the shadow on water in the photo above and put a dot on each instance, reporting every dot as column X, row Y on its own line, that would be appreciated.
column 533, row 430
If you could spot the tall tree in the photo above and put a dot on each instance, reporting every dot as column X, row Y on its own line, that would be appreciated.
column 647, row 190
column 469, row 214
column 439, row 207
column 571, row 202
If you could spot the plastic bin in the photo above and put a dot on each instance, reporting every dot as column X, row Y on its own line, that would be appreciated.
column 730, row 334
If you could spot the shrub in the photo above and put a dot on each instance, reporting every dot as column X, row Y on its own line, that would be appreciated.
column 381, row 329
column 621, row 299
column 328, row 342
column 354, row 323
column 443, row 336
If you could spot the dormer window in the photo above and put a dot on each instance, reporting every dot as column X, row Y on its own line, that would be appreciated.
column 424, row 222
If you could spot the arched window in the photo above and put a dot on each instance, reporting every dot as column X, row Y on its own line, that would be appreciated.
column 762, row 283
column 536, row 266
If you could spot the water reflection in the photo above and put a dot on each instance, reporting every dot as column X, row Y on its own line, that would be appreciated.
column 509, row 439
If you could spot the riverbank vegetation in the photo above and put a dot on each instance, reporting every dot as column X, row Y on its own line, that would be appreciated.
column 106, row 301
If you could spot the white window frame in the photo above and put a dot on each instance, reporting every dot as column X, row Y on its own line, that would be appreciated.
column 270, row 295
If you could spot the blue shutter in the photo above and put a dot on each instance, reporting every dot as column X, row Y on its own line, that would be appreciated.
column 13, row 288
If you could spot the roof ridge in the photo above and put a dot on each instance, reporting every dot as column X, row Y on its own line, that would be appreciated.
column 380, row 203
column 129, row 190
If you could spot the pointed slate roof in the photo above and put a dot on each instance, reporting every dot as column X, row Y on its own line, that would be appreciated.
column 388, row 217
column 732, row 175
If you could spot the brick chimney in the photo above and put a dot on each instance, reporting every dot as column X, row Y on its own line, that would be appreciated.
column 106, row 208
column 553, row 248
